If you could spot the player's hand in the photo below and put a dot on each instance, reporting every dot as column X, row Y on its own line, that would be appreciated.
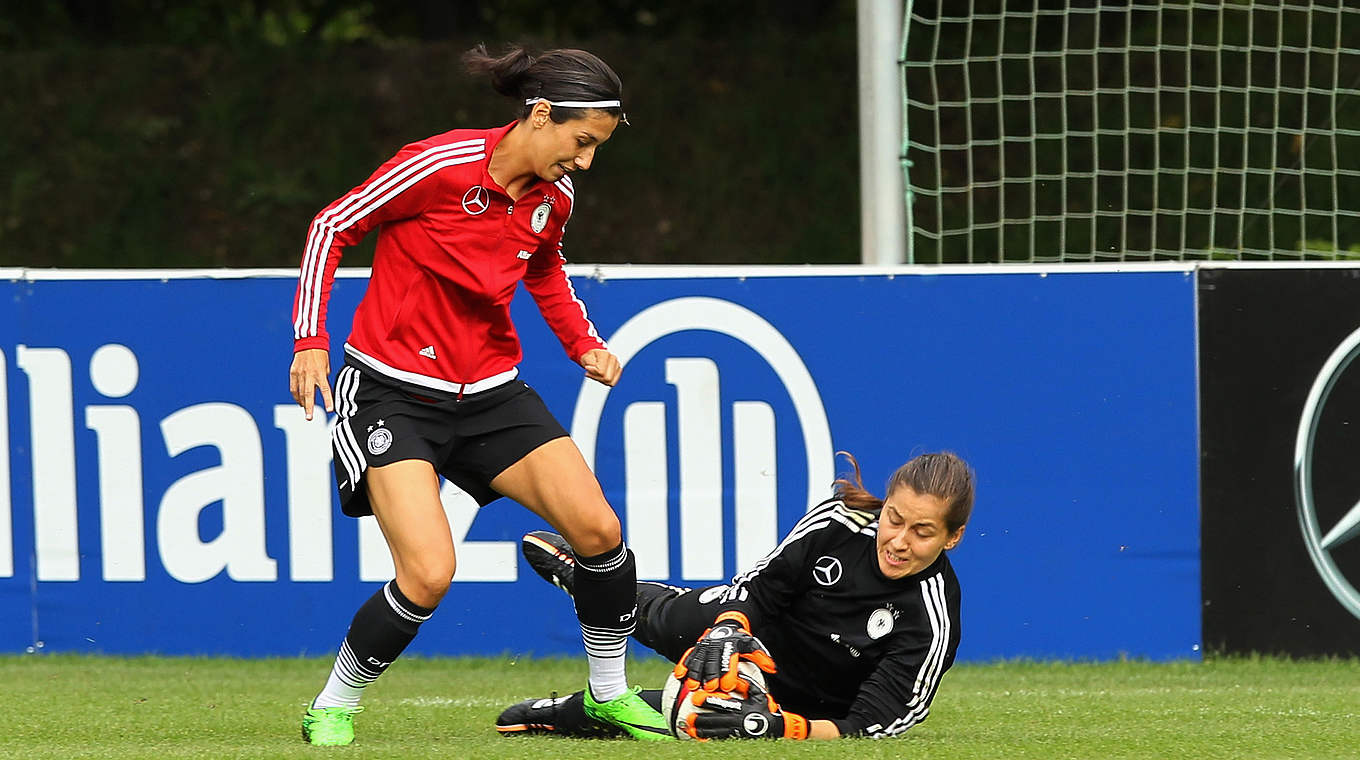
column 602, row 366
column 311, row 370
column 753, row 716
column 712, row 662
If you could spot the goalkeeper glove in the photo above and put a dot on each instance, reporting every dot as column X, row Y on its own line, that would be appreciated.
column 754, row 716
column 712, row 661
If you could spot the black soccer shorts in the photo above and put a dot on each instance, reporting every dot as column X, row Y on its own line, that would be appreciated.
column 469, row 440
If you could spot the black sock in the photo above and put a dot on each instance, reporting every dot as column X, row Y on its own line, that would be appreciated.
column 380, row 631
column 605, row 593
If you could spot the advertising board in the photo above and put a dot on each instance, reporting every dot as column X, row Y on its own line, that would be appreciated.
column 1280, row 426
column 163, row 493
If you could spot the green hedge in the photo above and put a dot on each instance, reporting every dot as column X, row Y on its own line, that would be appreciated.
column 171, row 157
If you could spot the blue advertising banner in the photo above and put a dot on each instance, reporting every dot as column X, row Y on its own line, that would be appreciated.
column 160, row 492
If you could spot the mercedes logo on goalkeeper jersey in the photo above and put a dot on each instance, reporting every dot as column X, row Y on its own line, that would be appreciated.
column 1322, row 544
column 827, row 570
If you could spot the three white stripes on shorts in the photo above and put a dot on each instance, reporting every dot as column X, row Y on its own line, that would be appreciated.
column 351, row 454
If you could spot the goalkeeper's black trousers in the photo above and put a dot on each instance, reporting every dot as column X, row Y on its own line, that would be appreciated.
column 671, row 619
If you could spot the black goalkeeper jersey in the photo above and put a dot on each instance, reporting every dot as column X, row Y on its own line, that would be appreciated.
column 850, row 644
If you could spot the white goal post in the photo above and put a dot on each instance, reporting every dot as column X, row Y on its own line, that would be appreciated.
column 883, row 222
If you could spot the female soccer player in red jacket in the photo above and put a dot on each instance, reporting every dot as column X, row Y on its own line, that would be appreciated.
column 430, row 383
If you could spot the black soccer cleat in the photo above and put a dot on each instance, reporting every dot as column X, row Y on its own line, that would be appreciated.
column 556, row 716
column 551, row 557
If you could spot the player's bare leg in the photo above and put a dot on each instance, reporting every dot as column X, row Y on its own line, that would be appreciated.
column 405, row 499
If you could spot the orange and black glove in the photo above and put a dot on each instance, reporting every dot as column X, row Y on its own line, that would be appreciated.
column 753, row 716
column 712, row 662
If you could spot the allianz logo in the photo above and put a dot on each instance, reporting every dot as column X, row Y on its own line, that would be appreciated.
column 123, row 463
column 125, row 507
column 754, row 449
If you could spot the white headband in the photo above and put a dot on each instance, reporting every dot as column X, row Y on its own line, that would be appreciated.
column 576, row 103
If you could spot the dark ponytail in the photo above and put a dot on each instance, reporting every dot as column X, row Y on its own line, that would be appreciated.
column 943, row 474
column 853, row 493
column 556, row 75
column 507, row 73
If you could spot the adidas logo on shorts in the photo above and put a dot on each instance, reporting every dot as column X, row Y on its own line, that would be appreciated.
column 427, row 352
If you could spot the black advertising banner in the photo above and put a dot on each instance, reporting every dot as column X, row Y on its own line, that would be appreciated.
column 1280, row 460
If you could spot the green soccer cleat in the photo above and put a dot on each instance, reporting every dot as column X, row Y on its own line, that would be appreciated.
column 631, row 713
column 329, row 726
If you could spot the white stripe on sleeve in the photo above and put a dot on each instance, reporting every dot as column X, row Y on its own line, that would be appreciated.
column 932, row 668
column 359, row 205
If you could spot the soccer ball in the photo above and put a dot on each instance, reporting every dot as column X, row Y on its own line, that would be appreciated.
column 677, row 707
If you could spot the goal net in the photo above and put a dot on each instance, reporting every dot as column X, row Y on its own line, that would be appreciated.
column 1131, row 131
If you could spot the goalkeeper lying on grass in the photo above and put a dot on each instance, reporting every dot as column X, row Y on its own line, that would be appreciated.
column 857, row 613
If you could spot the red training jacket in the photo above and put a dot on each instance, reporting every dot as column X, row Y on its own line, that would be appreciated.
column 451, row 248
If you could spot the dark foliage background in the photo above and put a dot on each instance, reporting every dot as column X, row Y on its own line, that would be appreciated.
column 151, row 133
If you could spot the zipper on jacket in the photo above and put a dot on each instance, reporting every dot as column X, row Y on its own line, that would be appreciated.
column 505, row 225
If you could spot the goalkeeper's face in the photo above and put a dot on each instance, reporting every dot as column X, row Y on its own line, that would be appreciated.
column 912, row 532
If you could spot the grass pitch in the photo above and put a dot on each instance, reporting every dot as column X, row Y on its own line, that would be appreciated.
column 163, row 708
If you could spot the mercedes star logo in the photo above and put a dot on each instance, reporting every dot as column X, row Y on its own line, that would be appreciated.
column 1320, row 546
column 827, row 570
column 476, row 200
